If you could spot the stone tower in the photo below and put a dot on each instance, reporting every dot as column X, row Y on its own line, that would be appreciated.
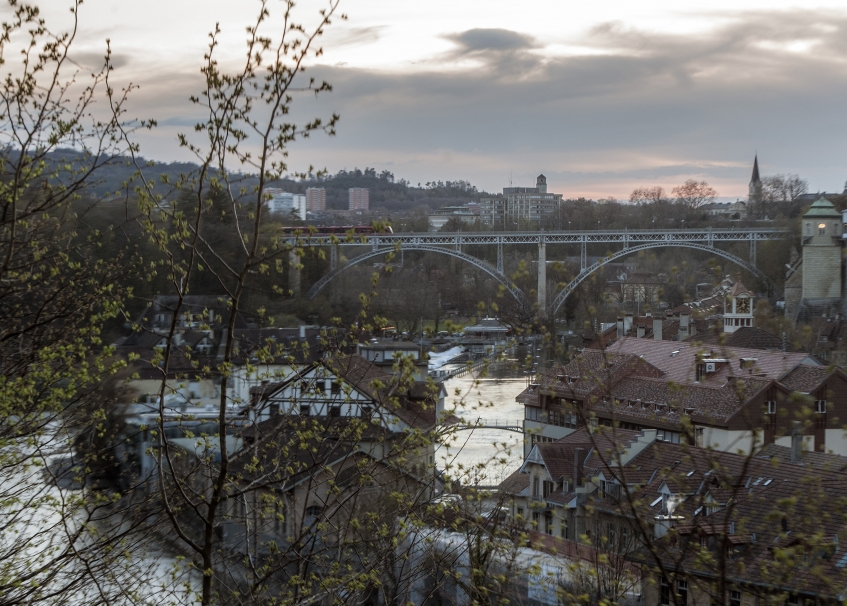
column 821, row 252
column 541, row 184
column 738, row 307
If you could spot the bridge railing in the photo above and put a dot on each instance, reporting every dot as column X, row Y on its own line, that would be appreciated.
column 508, row 424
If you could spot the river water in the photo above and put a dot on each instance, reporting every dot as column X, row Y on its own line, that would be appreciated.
column 485, row 456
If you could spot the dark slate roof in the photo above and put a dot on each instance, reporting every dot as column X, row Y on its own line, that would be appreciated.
column 663, row 403
column 515, row 483
column 590, row 369
column 678, row 359
column 816, row 460
column 807, row 379
column 749, row 337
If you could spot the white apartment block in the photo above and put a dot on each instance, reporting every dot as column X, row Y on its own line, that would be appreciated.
column 285, row 203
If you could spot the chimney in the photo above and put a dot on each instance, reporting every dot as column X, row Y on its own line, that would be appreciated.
column 578, row 455
column 683, row 325
column 627, row 323
column 620, row 332
column 641, row 331
column 796, row 442
column 657, row 329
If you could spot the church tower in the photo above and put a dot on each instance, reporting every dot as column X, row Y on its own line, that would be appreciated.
column 754, row 192
column 738, row 307
column 822, row 252
column 541, row 184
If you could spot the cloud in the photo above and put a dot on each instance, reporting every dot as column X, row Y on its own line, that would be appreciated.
column 482, row 40
column 94, row 60
column 644, row 107
column 352, row 36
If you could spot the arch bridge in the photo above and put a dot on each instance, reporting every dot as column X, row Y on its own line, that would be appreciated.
column 453, row 244
column 515, row 426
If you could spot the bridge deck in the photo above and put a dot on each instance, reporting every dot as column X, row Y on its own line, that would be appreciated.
column 515, row 426
column 625, row 237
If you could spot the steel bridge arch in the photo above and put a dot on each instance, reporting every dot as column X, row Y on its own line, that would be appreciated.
column 510, row 286
column 571, row 286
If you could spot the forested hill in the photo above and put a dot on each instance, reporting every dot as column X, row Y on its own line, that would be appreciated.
column 385, row 190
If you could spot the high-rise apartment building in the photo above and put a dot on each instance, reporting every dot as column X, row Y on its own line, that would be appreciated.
column 315, row 199
column 359, row 198
column 520, row 203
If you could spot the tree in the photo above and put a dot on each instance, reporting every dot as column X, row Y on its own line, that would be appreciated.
column 647, row 195
column 783, row 188
column 65, row 537
column 694, row 194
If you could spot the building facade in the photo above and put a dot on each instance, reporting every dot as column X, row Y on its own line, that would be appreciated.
column 359, row 198
column 315, row 199
column 469, row 213
column 516, row 204
column 284, row 203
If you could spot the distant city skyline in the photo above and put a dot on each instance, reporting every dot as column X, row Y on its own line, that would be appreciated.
column 601, row 98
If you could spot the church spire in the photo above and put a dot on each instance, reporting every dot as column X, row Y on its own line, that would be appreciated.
column 755, row 178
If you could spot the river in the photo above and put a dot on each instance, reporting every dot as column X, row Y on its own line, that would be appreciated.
column 485, row 456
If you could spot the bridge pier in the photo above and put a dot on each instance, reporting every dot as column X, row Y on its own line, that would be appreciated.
column 542, row 280
column 500, row 256
column 752, row 249
column 294, row 272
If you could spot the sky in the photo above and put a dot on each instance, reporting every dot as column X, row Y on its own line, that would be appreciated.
column 601, row 97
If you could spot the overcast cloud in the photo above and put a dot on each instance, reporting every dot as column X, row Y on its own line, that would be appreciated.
column 635, row 107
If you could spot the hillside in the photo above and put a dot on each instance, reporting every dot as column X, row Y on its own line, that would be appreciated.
column 386, row 192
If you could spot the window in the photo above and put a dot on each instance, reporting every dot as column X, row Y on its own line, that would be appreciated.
column 520, row 513
column 664, row 593
column 536, row 492
column 682, row 590
column 771, row 407
column 367, row 412
column 273, row 407
column 319, row 386
column 336, row 388
column 821, row 229
column 699, row 437
column 535, row 519
column 820, row 406
column 548, row 522
column 280, row 518
column 334, row 411
column 704, row 542
column 734, row 598
column 563, row 527
column 305, row 410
